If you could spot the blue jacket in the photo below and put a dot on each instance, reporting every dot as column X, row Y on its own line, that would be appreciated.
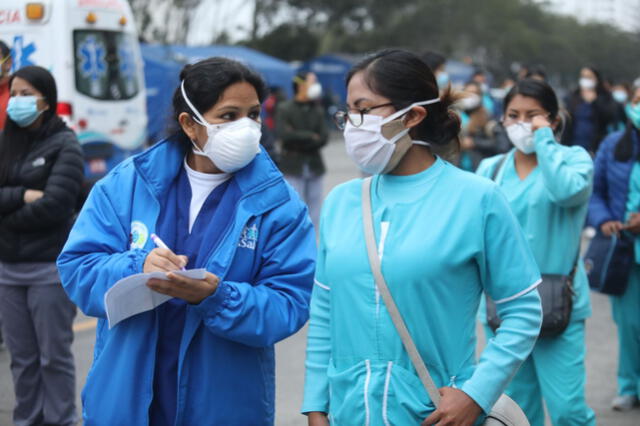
column 610, row 182
column 265, row 261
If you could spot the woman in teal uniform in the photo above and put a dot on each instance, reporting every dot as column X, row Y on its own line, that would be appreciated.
column 617, row 182
column 548, row 187
column 444, row 237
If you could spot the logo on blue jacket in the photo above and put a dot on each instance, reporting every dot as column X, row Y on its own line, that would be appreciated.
column 139, row 235
column 249, row 237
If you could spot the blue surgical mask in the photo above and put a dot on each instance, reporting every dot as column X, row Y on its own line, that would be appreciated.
column 442, row 79
column 23, row 110
column 633, row 112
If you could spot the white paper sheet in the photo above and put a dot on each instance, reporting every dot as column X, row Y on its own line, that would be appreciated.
column 131, row 296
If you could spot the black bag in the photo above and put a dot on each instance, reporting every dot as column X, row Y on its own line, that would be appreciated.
column 608, row 263
column 556, row 295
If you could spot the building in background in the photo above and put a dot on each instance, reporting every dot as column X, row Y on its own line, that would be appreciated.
column 623, row 14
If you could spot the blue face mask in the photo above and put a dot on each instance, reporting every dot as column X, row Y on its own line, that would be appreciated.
column 442, row 79
column 23, row 110
column 633, row 112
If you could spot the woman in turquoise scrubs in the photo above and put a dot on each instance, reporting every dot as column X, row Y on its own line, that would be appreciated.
column 617, row 182
column 548, row 187
column 444, row 237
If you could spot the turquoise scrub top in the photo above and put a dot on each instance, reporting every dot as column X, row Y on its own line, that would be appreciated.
column 633, row 202
column 444, row 237
column 551, row 206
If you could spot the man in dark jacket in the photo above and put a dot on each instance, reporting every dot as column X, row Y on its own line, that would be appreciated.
column 303, row 132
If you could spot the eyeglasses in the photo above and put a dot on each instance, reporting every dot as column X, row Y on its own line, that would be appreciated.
column 356, row 117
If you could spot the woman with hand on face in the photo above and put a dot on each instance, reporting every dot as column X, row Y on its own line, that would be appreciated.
column 548, row 187
column 592, row 110
column 443, row 235
column 219, row 203
column 40, row 176
column 616, row 190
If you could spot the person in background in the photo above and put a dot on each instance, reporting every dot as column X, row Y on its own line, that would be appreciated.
column 616, row 191
column 41, row 170
column 592, row 111
column 206, row 356
column 303, row 132
column 479, row 77
column 438, row 63
column 477, row 137
column 548, row 187
column 269, row 139
column 500, row 92
column 620, row 93
column 537, row 72
column 5, row 70
column 444, row 236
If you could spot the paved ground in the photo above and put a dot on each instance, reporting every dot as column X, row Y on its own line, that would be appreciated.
column 601, row 348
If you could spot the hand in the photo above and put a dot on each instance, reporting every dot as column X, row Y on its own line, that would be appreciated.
column 611, row 227
column 467, row 143
column 633, row 225
column 317, row 418
column 163, row 260
column 191, row 290
column 456, row 409
column 539, row 121
column 31, row 195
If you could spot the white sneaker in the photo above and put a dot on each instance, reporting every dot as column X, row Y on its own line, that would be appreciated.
column 624, row 402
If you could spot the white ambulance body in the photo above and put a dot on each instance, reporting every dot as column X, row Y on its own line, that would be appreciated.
column 91, row 48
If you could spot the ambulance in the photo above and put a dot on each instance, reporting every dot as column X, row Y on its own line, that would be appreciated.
column 91, row 48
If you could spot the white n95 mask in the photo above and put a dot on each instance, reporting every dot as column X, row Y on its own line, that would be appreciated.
column 379, row 143
column 521, row 136
column 230, row 146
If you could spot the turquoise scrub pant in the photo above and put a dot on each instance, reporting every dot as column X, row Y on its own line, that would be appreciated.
column 626, row 314
column 554, row 372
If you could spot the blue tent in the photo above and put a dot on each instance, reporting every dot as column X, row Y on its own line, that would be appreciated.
column 161, row 78
column 332, row 70
column 164, row 62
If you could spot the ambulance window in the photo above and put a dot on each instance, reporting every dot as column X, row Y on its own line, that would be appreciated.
column 105, row 64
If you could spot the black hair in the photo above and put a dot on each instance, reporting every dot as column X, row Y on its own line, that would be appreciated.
column 300, row 76
column 205, row 82
column 537, row 69
column 404, row 79
column 16, row 141
column 4, row 50
column 433, row 59
column 624, row 147
column 538, row 90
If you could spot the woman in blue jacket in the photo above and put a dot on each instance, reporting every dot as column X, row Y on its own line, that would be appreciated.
column 206, row 356
column 548, row 187
column 444, row 236
column 611, row 191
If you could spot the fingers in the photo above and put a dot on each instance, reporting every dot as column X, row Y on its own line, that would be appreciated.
column 433, row 419
column 191, row 290
column 164, row 260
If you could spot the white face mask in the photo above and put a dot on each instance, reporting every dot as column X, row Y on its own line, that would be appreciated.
column 230, row 146
column 620, row 96
column 587, row 83
column 314, row 91
column 372, row 152
column 521, row 136
column 469, row 102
